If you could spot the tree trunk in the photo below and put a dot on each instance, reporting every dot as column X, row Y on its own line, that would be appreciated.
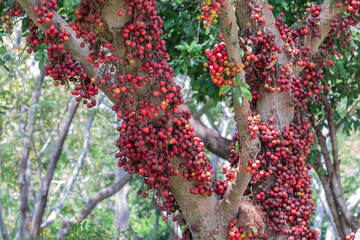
column 121, row 220
column 3, row 230
column 23, row 183
column 41, row 199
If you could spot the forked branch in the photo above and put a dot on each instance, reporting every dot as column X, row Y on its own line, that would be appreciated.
column 249, row 147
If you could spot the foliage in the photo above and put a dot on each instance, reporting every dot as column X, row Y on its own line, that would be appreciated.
column 83, row 230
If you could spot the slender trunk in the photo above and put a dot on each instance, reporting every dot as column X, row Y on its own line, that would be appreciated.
column 156, row 225
column 121, row 220
column 41, row 200
column 331, row 234
column 3, row 230
column 23, row 170
column 333, row 207
column 70, row 182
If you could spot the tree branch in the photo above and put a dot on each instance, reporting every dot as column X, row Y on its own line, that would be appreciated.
column 345, row 90
column 23, row 183
column 330, row 198
column 323, row 202
column 75, row 173
column 335, row 188
column 48, row 141
column 331, row 122
column 243, row 17
column 91, row 204
column 212, row 140
column 249, row 147
column 72, row 45
column 327, row 16
column 338, row 126
column 121, row 219
column 41, row 200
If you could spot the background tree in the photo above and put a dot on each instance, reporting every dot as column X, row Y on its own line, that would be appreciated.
column 276, row 67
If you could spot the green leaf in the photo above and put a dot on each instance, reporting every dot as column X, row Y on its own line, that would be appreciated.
column 239, row 96
column 242, row 40
column 226, row 30
column 247, row 93
column 237, row 146
column 2, row 50
column 225, row 89
column 241, row 52
column 254, row 230
column 284, row 4
column 243, row 235
column 237, row 79
column 343, row 72
column 244, row 85
column 331, row 4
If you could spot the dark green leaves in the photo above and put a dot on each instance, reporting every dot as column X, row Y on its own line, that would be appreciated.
column 3, row 109
column 4, row 58
column 242, row 88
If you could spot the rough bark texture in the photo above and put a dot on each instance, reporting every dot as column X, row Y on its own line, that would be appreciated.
column 248, row 147
column 199, row 211
column 327, row 15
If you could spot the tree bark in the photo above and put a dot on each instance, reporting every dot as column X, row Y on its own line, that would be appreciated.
column 212, row 140
column 41, row 200
column 23, row 183
column 121, row 220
